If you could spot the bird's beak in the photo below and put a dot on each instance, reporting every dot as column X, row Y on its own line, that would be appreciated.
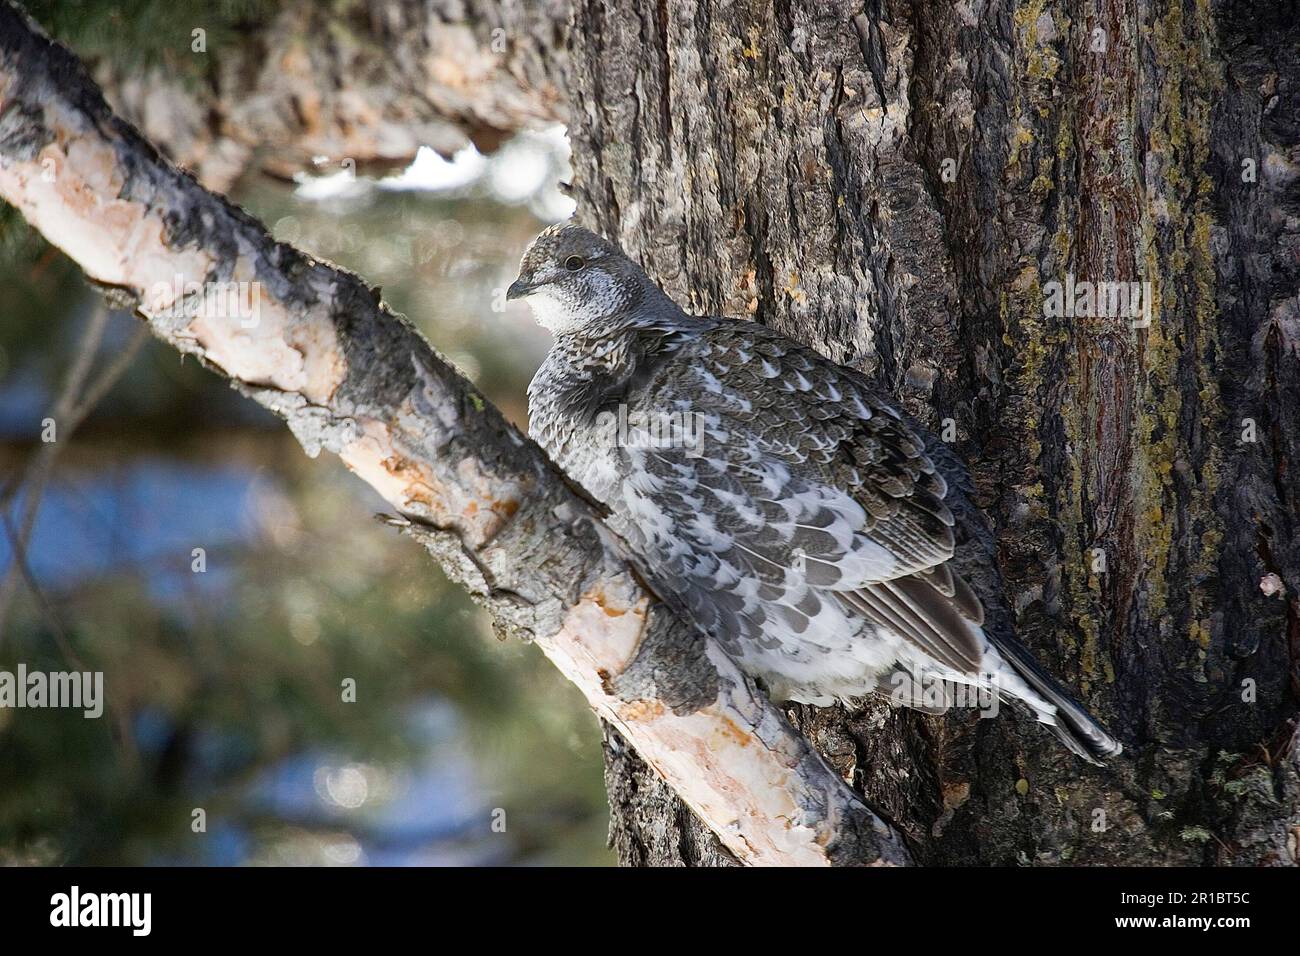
column 518, row 289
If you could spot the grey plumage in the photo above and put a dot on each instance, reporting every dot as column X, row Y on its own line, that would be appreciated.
column 772, row 495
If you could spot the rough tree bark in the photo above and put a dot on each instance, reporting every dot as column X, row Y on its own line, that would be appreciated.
column 317, row 346
column 896, row 183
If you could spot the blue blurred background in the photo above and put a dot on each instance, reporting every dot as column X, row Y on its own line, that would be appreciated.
column 223, row 687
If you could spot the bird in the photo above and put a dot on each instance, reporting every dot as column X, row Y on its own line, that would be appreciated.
column 791, row 512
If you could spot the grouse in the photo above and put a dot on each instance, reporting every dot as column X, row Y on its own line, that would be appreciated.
column 790, row 511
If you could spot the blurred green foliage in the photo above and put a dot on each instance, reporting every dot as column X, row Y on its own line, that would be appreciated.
column 218, row 682
column 147, row 33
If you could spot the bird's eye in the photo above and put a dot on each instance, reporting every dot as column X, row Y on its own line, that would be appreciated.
column 574, row 263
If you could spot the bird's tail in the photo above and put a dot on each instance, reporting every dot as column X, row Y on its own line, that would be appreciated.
column 1074, row 725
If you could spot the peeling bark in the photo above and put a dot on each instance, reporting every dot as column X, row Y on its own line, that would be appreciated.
column 315, row 345
column 788, row 161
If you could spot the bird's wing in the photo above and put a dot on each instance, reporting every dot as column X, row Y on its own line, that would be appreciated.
column 801, row 476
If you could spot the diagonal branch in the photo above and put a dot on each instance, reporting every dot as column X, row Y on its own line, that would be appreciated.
column 314, row 344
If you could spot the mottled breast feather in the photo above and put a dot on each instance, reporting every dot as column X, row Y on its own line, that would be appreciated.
column 806, row 517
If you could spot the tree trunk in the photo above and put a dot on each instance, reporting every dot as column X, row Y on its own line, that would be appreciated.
column 900, row 186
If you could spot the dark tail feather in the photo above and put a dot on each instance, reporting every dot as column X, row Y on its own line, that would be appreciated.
column 1074, row 725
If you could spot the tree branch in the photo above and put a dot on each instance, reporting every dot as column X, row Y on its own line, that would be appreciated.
column 314, row 344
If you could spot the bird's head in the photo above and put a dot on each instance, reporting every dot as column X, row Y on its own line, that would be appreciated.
column 573, row 278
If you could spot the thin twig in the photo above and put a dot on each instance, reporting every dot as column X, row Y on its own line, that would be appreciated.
column 69, row 411
column 120, row 730
column 107, row 378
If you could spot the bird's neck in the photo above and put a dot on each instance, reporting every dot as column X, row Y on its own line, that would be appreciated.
column 594, row 364
column 650, row 311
